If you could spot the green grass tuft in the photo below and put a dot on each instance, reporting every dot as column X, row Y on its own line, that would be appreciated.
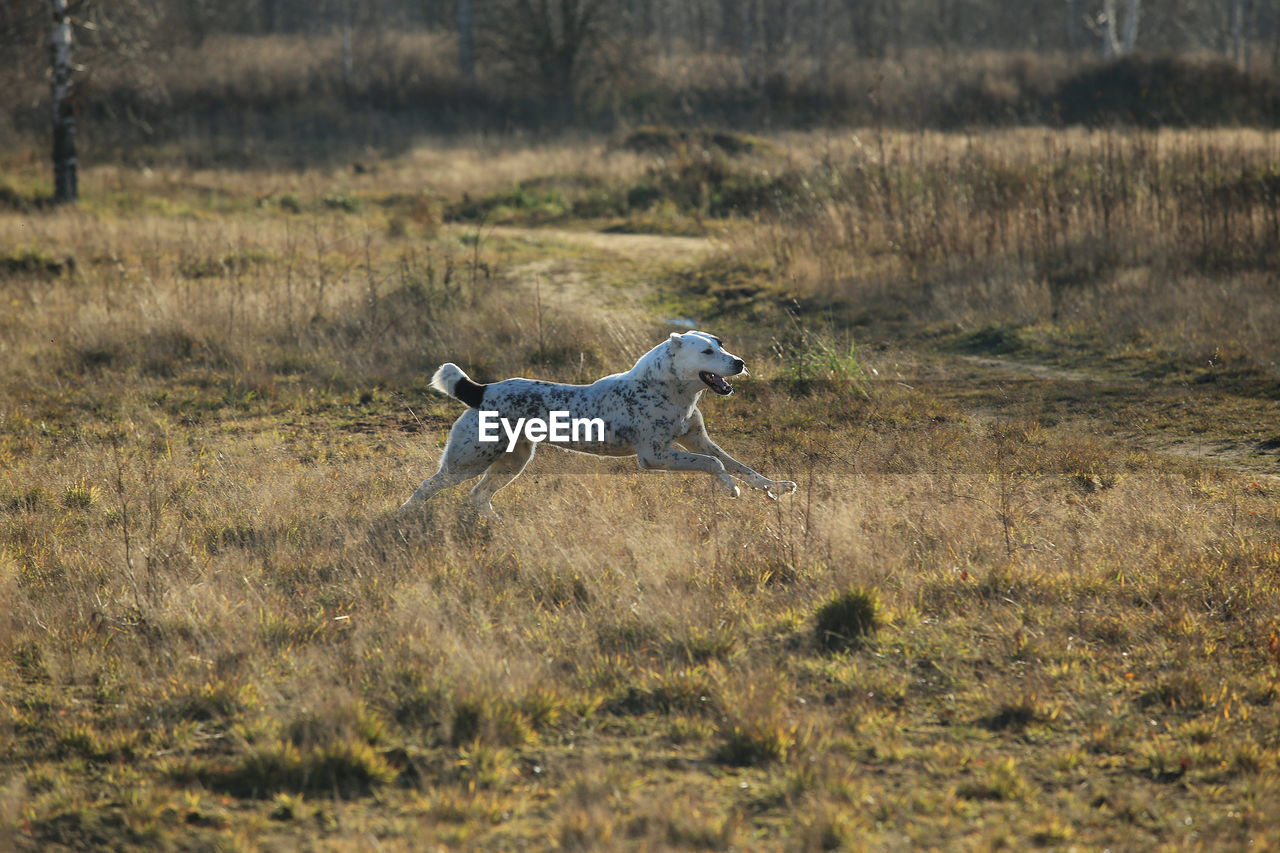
column 848, row 619
column 340, row 768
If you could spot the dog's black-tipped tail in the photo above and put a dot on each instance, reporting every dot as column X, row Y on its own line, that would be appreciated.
column 449, row 379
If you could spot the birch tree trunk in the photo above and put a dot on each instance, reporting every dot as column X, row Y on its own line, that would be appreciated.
column 1131, row 25
column 1110, row 42
column 66, row 187
column 1113, row 43
column 1238, row 52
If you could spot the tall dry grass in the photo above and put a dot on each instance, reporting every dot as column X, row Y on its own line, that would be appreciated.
column 1162, row 240
column 217, row 632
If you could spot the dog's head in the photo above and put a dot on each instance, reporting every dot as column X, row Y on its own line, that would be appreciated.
column 698, row 356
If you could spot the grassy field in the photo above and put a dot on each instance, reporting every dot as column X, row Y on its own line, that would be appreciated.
column 1025, row 595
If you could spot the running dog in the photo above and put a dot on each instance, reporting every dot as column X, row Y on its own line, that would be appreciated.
column 646, row 412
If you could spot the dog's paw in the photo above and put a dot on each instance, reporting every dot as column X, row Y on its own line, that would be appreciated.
column 781, row 487
column 726, row 482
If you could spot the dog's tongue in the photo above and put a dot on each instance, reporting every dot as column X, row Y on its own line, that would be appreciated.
column 717, row 383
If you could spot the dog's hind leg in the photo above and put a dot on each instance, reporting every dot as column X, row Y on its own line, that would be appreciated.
column 442, row 480
column 465, row 457
column 501, row 473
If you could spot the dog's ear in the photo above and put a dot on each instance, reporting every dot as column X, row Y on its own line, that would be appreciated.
column 676, row 340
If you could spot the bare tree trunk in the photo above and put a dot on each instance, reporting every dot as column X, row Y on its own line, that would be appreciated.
column 1238, row 51
column 467, row 40
column 748, row 41
column 66, row 188
column 1113, row 43
column 1073, row 24
column 1110, row 42
column 1131, row 25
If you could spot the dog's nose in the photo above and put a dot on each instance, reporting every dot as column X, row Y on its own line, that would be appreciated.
column 739, row 365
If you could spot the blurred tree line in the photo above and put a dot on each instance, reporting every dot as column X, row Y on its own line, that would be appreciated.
column 135, row 65
column 566, row 43
column 872, row 27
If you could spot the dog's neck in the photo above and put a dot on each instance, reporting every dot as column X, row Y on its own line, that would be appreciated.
column 655, row 368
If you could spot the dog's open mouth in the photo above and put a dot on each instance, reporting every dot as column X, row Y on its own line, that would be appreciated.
column 716, row 383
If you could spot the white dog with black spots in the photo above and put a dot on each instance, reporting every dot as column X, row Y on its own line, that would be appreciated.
column 650, row 412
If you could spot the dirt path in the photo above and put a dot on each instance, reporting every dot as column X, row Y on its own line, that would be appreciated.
column 1217, row 428
column 626, row 245
column 611, row 272
column 1041, row 371
column 570, row 283
column 603, row 278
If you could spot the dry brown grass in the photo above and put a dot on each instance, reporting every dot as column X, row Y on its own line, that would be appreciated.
column 1113, row 244
column 216, row 632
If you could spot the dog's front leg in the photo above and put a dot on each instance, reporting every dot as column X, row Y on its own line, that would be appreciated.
column 697, row 440
column 670, row 459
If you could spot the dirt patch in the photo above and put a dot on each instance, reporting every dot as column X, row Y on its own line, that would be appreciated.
column 1041, row 371
column 622, row 244
column 1128, row 397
